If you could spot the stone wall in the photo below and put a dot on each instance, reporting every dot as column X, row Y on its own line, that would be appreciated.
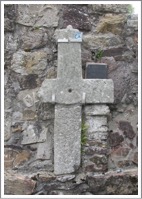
column 31, row 57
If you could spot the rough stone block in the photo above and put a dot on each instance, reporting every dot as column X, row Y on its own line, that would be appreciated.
column 42, row 165
column 102, row 41
column 110, row 8
column 69, row 66
column 18, row 184
column 28, row 97
column 96, row 110
column 111, row 23
column 120, row 152
column 33, row 40
column 96, row 123
column 99, row 136
column 71, row 90
column 43, row 15
column 7, row 128
column 133, row 24
column 67, row 138
column 44, row 150
column 127, row 128
column 113, row 183
column 33, row 133
column 8, row 25
column 77, row 17
column 115, row 139
column 91, row 150
column 9, row 156
column 30, row 63
column 21, row 158
column 111, row 63
column 29, row 115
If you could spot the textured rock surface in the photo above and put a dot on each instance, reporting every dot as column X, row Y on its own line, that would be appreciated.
column 111, row 8
column 102, row 40
column 124, row 183
column 38, row 15
column 17, row 184
column 111, row 23
column 67, row 134
column 77, row 16
column 31, row 57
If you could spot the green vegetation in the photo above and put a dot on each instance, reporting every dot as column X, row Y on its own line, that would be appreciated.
column 130, row 9
column 99, row 55
column 84, row 128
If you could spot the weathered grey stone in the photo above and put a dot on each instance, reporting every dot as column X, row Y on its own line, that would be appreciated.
column 28, row 101
column 70, row 91
column 10, row 43
column 28, row 97
column 111, row 63
column 44, row 150
column 32, row 63
column 102, row 40
column 33, row 39
column 45, row 15
column 7, row 128
column 33, row 133
column 101, row 150
column 18, row 184
column 41, row 165
column 80, row 178
column 96, row 123
column 62, row 35
column 9, row 17
column 101, row 184
column 110, row 8
column 99, row 136
column 69, row 88
column 65, row 178
column 133, row 24
column 96, row 110
column 121, row 78
column 8, row 25
column 29, row 115
column 45, row 111
column 52, row 73
column 71, row 63
column 67, row 149
column 36, row 62
column 18, row 61
column 17, row 116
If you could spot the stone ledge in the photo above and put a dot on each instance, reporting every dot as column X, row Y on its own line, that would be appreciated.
column 118, row 182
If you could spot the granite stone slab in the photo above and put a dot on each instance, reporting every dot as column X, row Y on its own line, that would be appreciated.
column 67, row 136
column 69, row 92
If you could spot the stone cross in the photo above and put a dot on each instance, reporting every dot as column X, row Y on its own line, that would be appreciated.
column 69, row 92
